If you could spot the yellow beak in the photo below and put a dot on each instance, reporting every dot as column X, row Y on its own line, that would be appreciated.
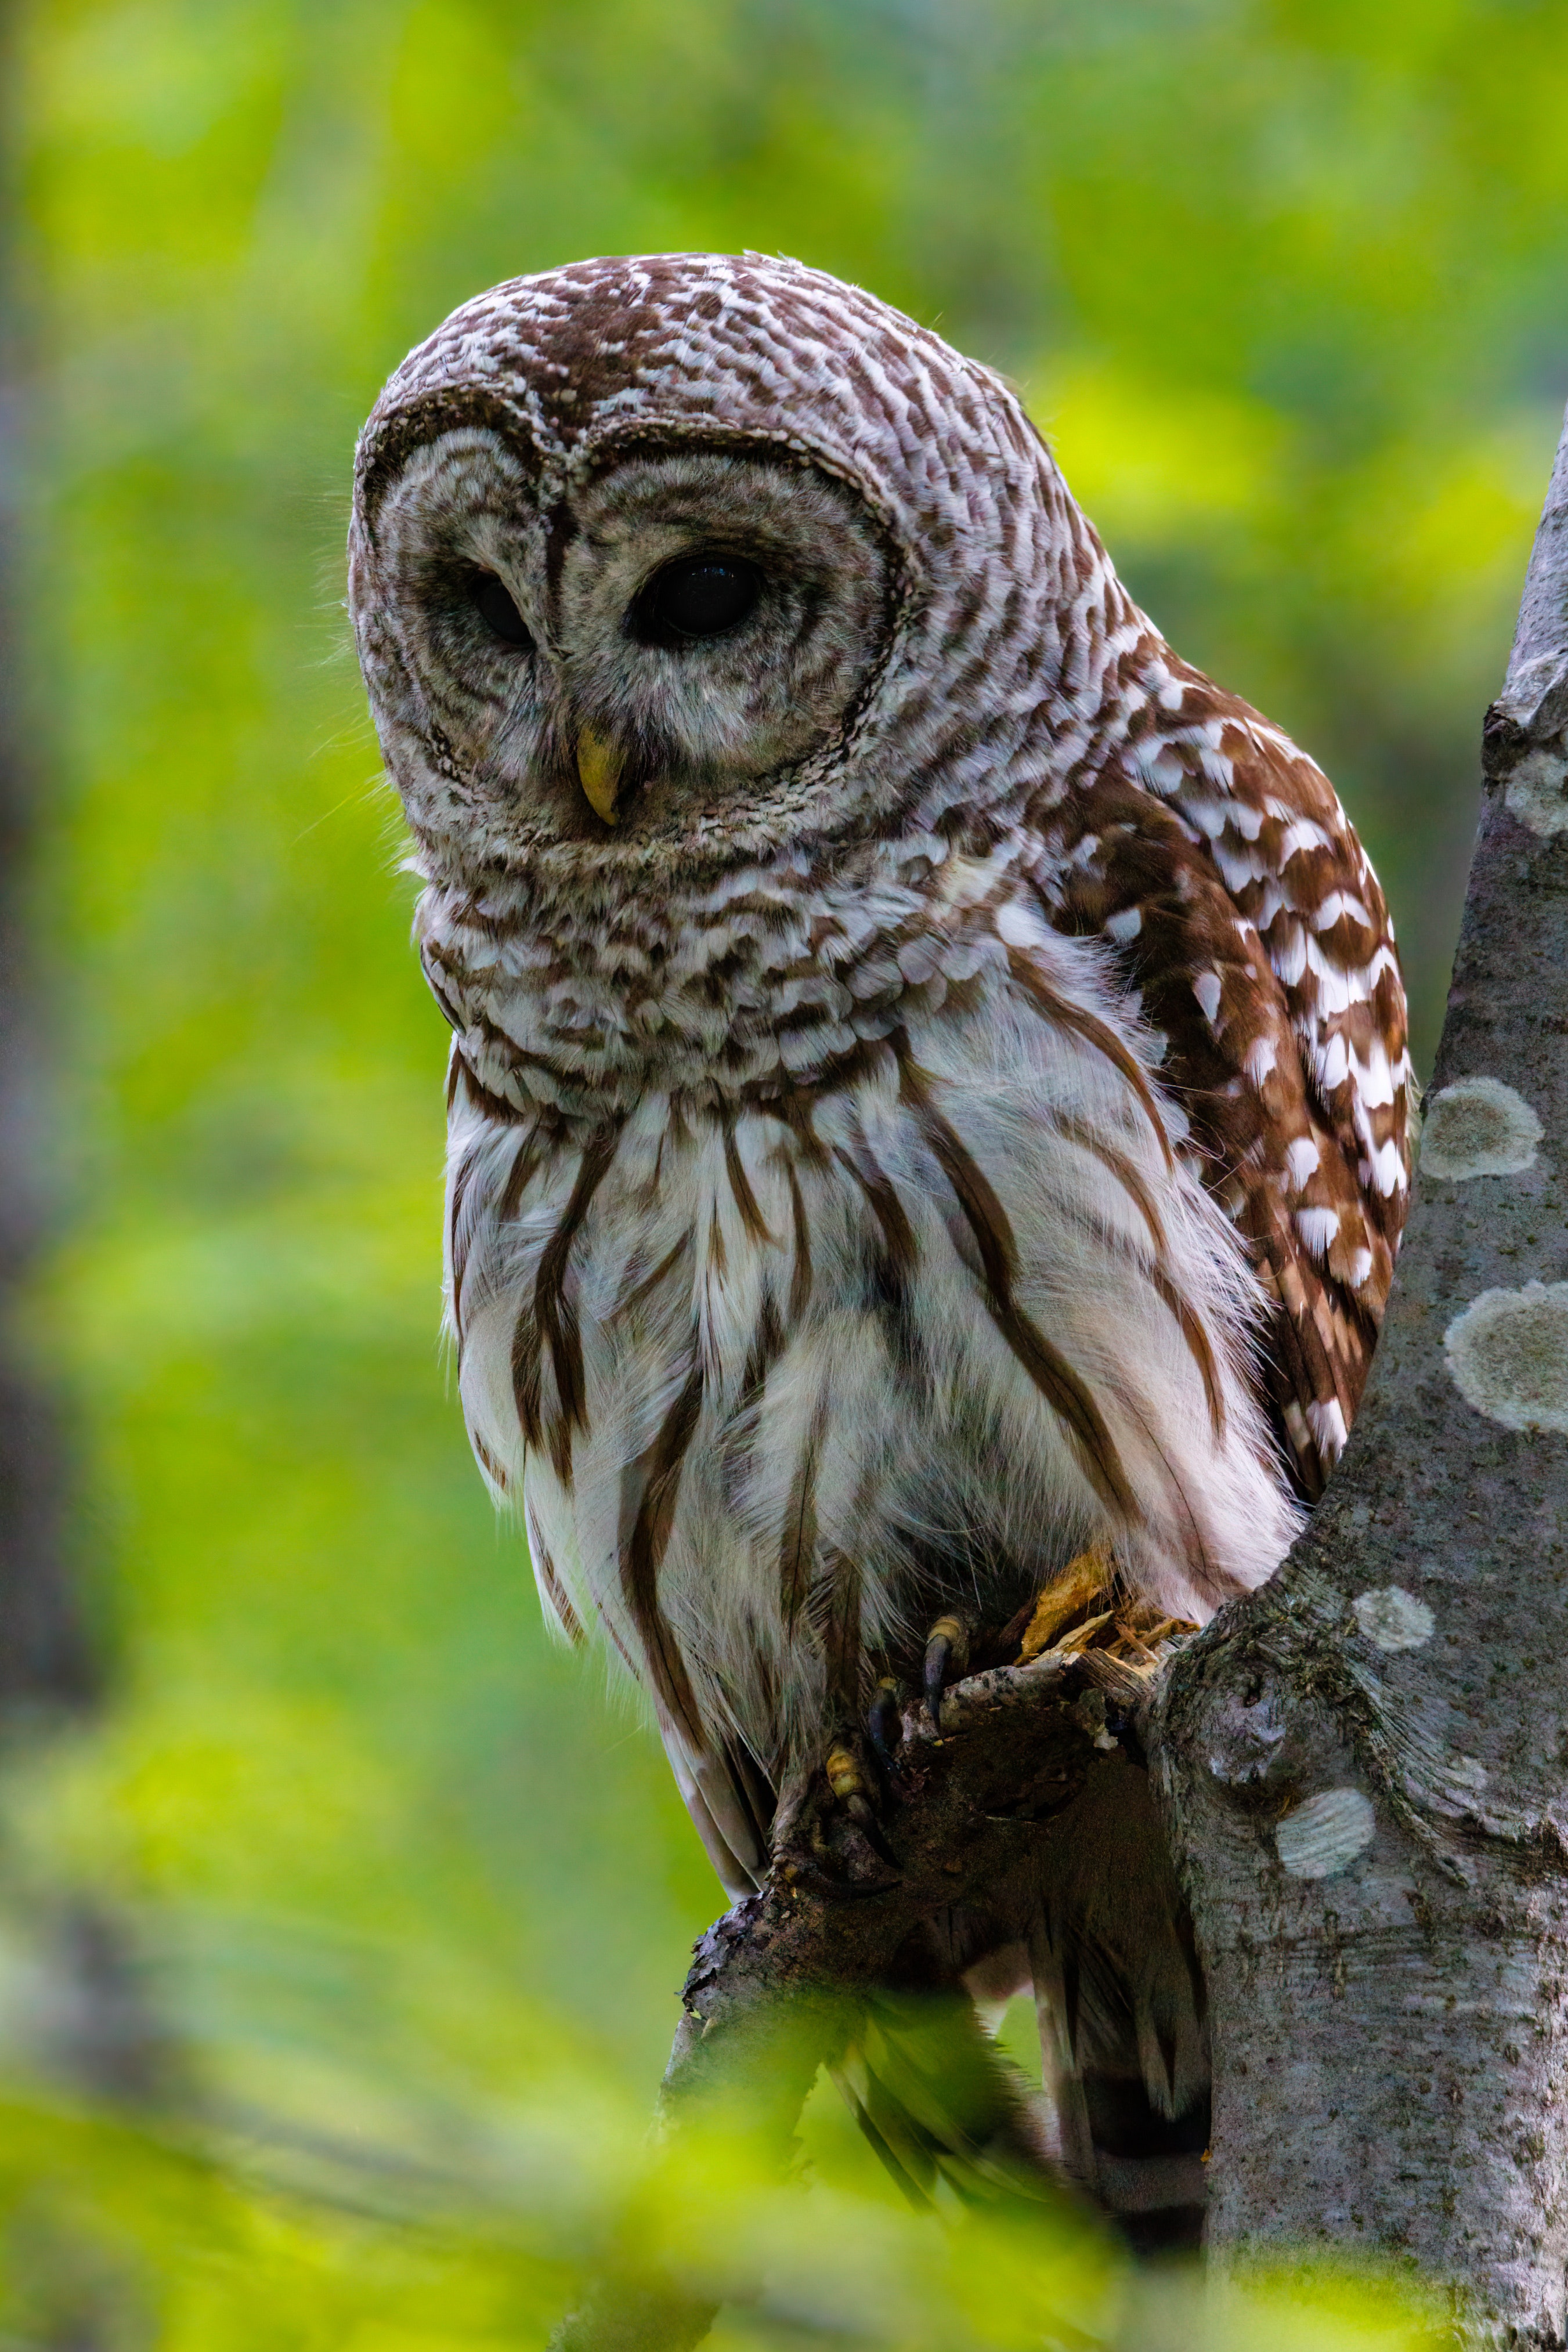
column 599, row 765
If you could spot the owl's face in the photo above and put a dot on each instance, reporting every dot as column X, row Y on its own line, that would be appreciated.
column 658, row 648
column 670, row 567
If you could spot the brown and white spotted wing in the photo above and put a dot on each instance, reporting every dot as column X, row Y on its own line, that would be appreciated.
column 1217, row 860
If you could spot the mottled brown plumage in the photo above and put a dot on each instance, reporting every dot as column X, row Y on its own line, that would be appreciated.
column 1299, row 1093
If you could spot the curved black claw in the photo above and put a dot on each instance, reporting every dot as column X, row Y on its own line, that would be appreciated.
column 947, row 1646
column 882, row 1724
column 848, row 1785
column 859, row 1811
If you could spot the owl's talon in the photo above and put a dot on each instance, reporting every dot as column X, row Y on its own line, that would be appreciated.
column 832, row 1887
column 859, row 1811
column 947, row 1646
column 882, row 1725
column 939, row 1650
column 848, row 1783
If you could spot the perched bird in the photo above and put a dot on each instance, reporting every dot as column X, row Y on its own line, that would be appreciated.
column 928, row 1092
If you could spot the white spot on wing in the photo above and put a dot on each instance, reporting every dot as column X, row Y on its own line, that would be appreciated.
column 1302, row 835
column 1318, row 1228
column 1207, row 988
column 1388, row 1169
column 1301, row 1160
column 1289, row 957
column 1327, row 1423
column 1333, row 1063
column 1337, row 904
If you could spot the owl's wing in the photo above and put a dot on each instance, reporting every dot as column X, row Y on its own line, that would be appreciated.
column 731, row 1805
column 1216, row 859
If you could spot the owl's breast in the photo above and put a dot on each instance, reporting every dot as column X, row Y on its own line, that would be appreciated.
column 776, row 1379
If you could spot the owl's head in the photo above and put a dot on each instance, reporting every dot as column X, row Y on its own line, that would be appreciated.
column 662, row 565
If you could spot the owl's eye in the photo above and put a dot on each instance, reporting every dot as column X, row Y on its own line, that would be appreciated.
column 700, row 596
column 495, row 608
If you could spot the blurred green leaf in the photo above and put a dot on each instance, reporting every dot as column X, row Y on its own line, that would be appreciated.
column 1287, row 285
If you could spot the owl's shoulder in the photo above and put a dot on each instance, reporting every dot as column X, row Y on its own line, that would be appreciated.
column 1215, row 857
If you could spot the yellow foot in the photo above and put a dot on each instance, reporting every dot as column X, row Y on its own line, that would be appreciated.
column 1086, row 1607
column 854, row 1787
column 1081, row 1591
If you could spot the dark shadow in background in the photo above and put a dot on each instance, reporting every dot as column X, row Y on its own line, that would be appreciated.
column 45, row 1656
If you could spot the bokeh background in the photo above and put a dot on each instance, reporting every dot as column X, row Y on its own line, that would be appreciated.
column 342, row 1842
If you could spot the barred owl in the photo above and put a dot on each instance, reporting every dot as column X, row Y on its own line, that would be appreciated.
column 928, row 1094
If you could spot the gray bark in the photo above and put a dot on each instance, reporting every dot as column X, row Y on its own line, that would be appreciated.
column 1366, row 1765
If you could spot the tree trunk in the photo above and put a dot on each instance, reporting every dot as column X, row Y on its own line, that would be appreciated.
column 1366, row 1766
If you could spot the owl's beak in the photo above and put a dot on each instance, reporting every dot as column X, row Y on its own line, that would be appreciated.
column 599, row 766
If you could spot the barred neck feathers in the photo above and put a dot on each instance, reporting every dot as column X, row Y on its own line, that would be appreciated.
column 770, row 978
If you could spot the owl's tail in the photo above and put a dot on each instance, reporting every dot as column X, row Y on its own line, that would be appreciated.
column 1120, row 1997
column 1124, row 2029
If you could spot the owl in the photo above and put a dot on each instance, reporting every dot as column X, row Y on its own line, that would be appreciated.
column 928, row 1096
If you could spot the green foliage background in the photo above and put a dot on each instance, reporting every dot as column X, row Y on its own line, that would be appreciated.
column 1288, row 285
